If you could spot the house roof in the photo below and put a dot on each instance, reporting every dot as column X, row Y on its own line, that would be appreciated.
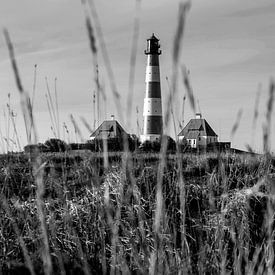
column 197, row 127
column 108, row 129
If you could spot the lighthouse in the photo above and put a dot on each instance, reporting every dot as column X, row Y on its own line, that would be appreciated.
column 152, row 109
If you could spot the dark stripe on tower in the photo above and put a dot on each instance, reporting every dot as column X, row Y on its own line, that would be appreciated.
column 153, row 125
column 153, row 90
column 153, row 60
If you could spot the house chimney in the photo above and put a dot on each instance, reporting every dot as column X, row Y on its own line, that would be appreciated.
column 112, row 117
column 198, row 115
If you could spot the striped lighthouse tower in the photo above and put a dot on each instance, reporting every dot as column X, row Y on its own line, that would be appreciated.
column 152, row 110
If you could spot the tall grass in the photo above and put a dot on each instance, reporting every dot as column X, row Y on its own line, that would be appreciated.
column 37, row 164
column 85, row 207
column 135, row 213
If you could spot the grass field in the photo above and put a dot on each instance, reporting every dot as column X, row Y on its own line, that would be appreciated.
column 104, row 220
column 135, row 213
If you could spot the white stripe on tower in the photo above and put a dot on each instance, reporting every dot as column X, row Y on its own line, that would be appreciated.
column 152, row 74
column 152, row 108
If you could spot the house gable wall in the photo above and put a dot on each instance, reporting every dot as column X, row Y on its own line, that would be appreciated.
column 200, row 141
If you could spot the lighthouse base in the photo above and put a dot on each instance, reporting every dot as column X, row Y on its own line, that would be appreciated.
column 151, row 138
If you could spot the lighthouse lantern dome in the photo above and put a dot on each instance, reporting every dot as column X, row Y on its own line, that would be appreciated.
column 153, row 46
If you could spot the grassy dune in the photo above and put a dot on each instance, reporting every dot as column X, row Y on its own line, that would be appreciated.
column 134, row 213
column 102, row 221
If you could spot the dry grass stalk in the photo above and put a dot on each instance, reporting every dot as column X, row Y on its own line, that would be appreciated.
column 26, row 255
column 76, row 129
column 25, row 100
column 181, row 123
column 172, row 112
column 53, row 229
column 51, row 115
column 52, row 109
column 183, row 9
column 92, row 40
column 156, row 264
column 256, row 107
column 255, row 118
column 81, row 254
column 8, row 121
column 11, row 117
column 56, row 108
column 34, row 84
column 106, row 58
column 91, row 35
column 237, row 122
column 15, row 131
column 188, row 87
column 86, row 124
column 270, row 253
column 137, row 122
column 267, row 126
column 127, row 163
column 133, row 62
column 33, row 90
column 36, row 160
column 2, row 139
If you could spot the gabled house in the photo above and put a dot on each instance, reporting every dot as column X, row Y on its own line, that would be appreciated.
column 198, row 133
column 109, row 129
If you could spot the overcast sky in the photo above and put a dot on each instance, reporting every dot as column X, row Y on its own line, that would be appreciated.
column 229, row 48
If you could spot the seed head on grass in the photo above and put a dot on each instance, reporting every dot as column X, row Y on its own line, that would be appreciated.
column 256, row 108
column 133, row 57
column 25, row 100
column 183, row 9
column 188, row 87
column 36, row 160
column 105, row 56
column 267, row 126
column 178, row 39
column 91, row 35
column 13, row 62
column 237, row 122
column 76, row 128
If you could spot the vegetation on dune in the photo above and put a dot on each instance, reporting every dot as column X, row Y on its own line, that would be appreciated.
column 133, row 212
column 103, row 220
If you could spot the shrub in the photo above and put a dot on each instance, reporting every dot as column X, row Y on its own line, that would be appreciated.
column 56, row 145
column 155, row 146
